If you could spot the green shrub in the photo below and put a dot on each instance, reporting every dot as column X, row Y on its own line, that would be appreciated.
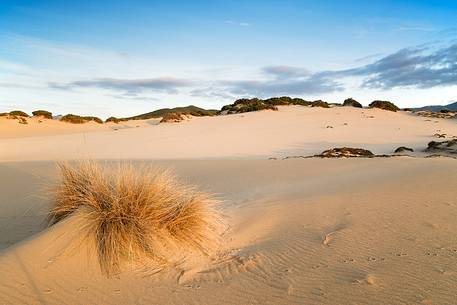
column 71, row 118
column 114, row 120
column 93, row 118
column 42, row 113
column 385, row 105
column 191, row 109
column 76, row 119
column 19, row 113
column 320, row 103
column 352, row 102
column 171, row 117
column 278, row 101
column 300, row 102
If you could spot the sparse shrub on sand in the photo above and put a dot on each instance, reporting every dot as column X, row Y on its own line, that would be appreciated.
column 22, row 120
column 352, row 102
column 18, row 113
column 188, row 110
column 76, row 119
column 114, row 120
column 248, row 105
column 320, row 103
column 256, row 104
column 136, row 215
column 385, row 105
column 42, row 113
column 172, row 117
column 93, row 118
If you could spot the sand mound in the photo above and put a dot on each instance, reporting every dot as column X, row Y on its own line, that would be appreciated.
column 135, row 215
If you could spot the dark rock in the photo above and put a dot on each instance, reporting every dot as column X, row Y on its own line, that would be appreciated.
column 443, row 146
column 439, row 135
column 438, row 115
column 346, row 152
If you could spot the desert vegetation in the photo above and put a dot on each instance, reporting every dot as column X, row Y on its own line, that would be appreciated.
column 188, row 110
column 320, row 103
column 172, row 117
column 385, row 105
column 352, row 102
column 22, row 120
column 76, row 119
column 18, row 113
column 256, row 104
column 113, row 119
column 136, row 215
column 42, row 113
column 247, row 105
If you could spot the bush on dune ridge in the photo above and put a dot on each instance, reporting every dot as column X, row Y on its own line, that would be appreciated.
column 136, row 215
column 76, row 119
column 172, row 117
column 42, row 113
column 18, row 113
column 256, row 104
column 352, row 103
column 114, row 120
column 385, row 105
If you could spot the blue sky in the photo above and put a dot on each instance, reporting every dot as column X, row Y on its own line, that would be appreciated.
column 127, row 57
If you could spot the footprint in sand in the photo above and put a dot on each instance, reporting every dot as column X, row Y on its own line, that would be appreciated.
column 347, row 260
column 369, row 279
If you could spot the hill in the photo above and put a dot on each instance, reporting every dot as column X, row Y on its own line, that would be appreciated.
column 188, row 110
column 438, row 108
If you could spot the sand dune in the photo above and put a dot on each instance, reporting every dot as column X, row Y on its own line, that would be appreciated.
column 302, row 232
column 293, row 130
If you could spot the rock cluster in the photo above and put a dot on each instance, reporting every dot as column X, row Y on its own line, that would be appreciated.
column 346, row 152
column 437, row 115
column 449, row 146
column 403, row 149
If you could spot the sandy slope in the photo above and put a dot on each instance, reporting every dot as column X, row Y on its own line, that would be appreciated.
column 38, row 126
column 302, row 231
column 365, row 231
column 293, row 130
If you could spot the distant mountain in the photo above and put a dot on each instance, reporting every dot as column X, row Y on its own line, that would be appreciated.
column 438, row 108
column 191, row 109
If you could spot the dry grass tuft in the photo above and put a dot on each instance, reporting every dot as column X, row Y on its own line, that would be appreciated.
column 136, row 215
